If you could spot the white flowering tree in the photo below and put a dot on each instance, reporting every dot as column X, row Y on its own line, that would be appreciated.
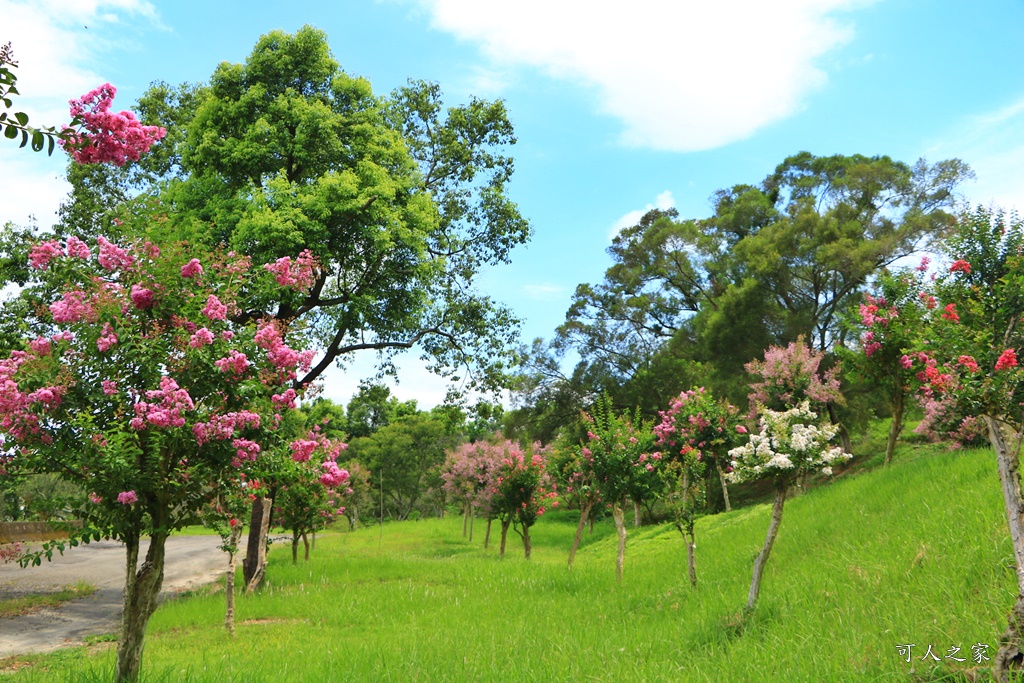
column 788, row 446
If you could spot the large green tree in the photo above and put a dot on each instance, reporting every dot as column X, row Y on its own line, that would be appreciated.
column 774, row 261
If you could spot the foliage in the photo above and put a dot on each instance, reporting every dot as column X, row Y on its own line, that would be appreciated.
column 620, row 451
column 470, row 473
column 789, row 376
column 13, row 124
column 788, row 446
column 521, row 489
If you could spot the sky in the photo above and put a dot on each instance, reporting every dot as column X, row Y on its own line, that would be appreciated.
column 618, row 107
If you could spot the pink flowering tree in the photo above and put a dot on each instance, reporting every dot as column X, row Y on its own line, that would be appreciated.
column 521, row 491
column 469, row 474
column 973, row 357
column 139, row 388
column 620, row 449
column 311, row 488
column 573, row 465
column 890, row 322
column 695, row 435
column 789, row 446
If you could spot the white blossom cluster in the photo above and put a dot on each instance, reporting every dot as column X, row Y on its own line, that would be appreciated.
column 789, row 443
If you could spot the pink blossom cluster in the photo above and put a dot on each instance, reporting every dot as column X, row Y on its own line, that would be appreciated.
column 192, row 269
column 113, row 257
column 73, row 307
column 302, row 449
column 142, row 297
column 127, row 497
column 107, row 338
column 285, row 399
column 960, row 266
column 333, row 476
column 16, row 416
column 202, row 337
column 164, row 407
column 281, row 356
column 107, row 136
column 109, row 387
column 214, row 309
column 246, row 450
column 41, row 254
column 790, row 374
column 223, row 427
column 235, row 362
column 949, row 313
column 1007, row 359
column 10, row 552
column 299, row 274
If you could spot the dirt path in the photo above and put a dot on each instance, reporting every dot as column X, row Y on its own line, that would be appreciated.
column 191, row 561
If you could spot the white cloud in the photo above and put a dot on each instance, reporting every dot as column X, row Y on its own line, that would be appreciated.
column 681, row 76
column 59, row 46
column 544, row 292
column 663, row 201
column 993, row 144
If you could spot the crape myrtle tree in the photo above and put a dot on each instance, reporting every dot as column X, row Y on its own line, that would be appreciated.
column 788, row 447
column 973, row 351
column 620, row 450
column 402, row 200
column 890, row 321
column 695, row 435
column 522, row 488
column 774, row 261
column 138, row 363
column 573, row 465
column 469, row 473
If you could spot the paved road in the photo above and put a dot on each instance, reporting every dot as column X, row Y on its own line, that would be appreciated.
column 191, row 561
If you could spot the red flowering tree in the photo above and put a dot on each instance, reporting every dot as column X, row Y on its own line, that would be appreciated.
column 695, row 434
column 890, row 322
column 620, row 451
column 469, row 474
column 522, row 489
column 973, row 357
column 139, row 388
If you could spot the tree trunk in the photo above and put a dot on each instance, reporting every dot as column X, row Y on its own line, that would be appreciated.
column 465, row 520
column 504, row 535
column 762, row 558
column 229, row 581
column 258, row 562
column 472, row 518
column 295, row 547
column 527, row 546
column 487, row 536
column 584, row 513
column 638, row 514
column 141, row 588
column 305, row 542
column 253, row 543
column 1010, row 657
column 691, row 562
column 897, row 424
column 620, row 528
column 844, row 433
column 725, row 488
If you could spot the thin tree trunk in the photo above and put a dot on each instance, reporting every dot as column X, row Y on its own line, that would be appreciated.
column 229, row 581
column 487, row 536
column 504, row 535
column 725, row 487
column 305, row 542
column 584, row 513
column 773, row 530
column 465, row 520
column 897, row 424
column 691, row 561
column 620, row 527
column 527, row 546
column 844, row 433
column 472, row 518
column 638, row 513
column 141, row 589
column 258, row 562
column 1010, row 657
column 295, row 547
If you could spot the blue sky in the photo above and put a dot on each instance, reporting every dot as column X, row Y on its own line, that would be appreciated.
column 617, row 110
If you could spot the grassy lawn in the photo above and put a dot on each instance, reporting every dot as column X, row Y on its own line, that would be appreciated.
column 916, row 553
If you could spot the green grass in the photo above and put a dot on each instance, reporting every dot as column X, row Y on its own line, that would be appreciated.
column 915, row 553
column 14, row 607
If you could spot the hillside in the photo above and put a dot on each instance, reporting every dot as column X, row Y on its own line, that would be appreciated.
column 914, row 554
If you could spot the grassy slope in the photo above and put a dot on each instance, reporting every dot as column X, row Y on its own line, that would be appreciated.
column 918, row 553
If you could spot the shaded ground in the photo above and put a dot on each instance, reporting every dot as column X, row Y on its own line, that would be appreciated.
column 191, row 561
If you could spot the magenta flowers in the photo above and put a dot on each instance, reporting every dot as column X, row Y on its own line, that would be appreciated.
column 107, row 136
